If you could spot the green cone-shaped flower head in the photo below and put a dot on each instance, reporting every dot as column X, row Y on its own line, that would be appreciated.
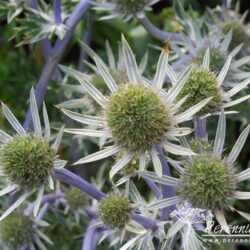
column 16, row 231
column 239, row 34
column 136, row 117
column 130, row 6
column 115, row 211
column 208, row 182
column 217, row 59
column 201, row 84
column 27, row 161
column 76, row 198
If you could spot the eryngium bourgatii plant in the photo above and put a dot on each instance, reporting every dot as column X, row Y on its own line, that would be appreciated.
column 208, row 180
column 27, row 159
column 20, row 231
column 124, row 9
column 137, row 115
column 202, row 83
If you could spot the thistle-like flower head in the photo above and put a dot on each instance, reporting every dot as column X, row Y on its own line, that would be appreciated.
column 115, row 210
column 203, row 82
column 233, row 21
column 19, row 231
column 196, row 40
column 76, row 199
column 208, row 180
column 135, row 116
column 27, row 159
column 16, row 231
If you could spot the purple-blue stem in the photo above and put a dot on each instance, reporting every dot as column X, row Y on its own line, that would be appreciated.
column 91, row 237
column 55, row 56
column 87, row 36
column 225, row 4
column 45, row 44
column 145, row 222
column 48, row 198
column 153, row 187
column 42, row 211
column 57, row 11
column 72, row 179
column 157, row 33
column 167, row 191
column 200, row 128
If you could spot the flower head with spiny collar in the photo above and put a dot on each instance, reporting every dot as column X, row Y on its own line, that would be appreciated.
column 27, row 160
column 20, row 231
column 208, row 180
column 202, row 83
column 136, row 116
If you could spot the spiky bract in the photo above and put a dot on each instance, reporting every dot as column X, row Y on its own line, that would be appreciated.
column 119, row 77
column 208, row 182
column 136, row 117
column 201, row 84
column 27, row 161
column 115, row 211
column 76, row 198
column 16, row 231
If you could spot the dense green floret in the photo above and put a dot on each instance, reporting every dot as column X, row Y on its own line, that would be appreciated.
column 115, row 211
column 136, row 117
column 76, row 198
column 201, row 84
column 16, row 230
column 130, row 6
column 26, row 161
column 239, row 34
column 217, row 59
column 208, row 182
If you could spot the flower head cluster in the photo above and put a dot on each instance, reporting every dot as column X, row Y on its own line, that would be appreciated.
column 124, row 9
column 27, row 159
column 135, row 116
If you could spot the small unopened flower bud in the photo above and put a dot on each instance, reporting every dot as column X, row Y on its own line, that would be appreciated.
column 115, row 211
column 76, row 198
